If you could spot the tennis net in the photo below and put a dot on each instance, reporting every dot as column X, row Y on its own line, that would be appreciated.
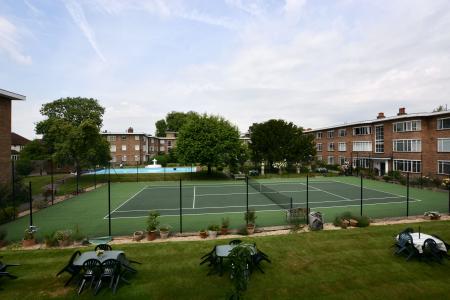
column 276, row 197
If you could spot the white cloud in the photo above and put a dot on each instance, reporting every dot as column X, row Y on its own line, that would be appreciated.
column 10, row 42
column 77, row 13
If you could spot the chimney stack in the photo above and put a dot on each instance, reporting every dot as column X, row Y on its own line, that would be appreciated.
column 130, row 130
column 401, row 111
column 380, row 115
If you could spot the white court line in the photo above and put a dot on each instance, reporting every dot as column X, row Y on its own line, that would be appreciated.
column 193, row 201
column 123, row 203
column 255, row 193
column 336, row 195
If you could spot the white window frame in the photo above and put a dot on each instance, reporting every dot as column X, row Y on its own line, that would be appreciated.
column 113, row 158
column 440, row 144
column 162, row 142
column 441, row 166
column 124, row 147
column 111, row 138
column 364, row 130
column 440, row 123
column 342, row 146
column 319, row 147
column 342, row 132
column 318, row 135
column 136, row 138
column 112, row 148
column 319, row 157
column 362, row 146
column 408, row 165
column 407, row 145
column 342, row 160
column 137, row 147
column 124, row 158
column 330, row 160
column 379, row 139
column 137, row 158
column 162, row 149
column 407, row 126
column 330, row 146
column 123, row 137
column 330, row 134
column 361, row 162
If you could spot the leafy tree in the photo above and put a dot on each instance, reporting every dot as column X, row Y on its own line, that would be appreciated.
column 440, row 108
column 72, row 132
column 173, row 122
column 161, row 128
column 277, row 140
column 24, row 167
column 209, row 140
column 35, row 150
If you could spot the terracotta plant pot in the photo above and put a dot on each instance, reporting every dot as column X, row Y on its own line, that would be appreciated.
column 353, row 223
column 224, row 231
column 2, row 243
column 203, row 234
column 151, row 235
column 250, row 228
column 28, row 243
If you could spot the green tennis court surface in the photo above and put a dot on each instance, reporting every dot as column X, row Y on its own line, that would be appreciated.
column 232, row 198
column 207, row 202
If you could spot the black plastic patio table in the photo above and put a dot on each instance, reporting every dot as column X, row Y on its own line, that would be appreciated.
column 222, row 251
column 114, row 254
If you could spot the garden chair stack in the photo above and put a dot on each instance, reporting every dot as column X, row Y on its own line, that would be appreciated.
column 104, row 247
column 92, row 270
column 405, row 245
column 111, row 269
column 431, row 251
column 212, row 259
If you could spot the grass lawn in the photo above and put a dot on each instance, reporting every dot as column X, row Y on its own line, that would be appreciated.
column 343, row 264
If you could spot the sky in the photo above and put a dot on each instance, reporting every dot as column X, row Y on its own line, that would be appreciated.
column 314, row 63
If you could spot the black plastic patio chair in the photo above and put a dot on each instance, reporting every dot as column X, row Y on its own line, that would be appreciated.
column 4, row 266
column 406, row 245
column 92, row 269
column 104, row 247
column 408, row 230
column 445, row 243
column 257, row 259
column 431, row 250
column 7, row 274
column 110, row 270
column 71, row 268
column 209, row 257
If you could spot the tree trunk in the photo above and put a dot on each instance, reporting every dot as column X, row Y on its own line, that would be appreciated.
column 209, row 170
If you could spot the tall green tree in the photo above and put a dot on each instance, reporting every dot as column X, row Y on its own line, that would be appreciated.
column 277, row 140
column 209, row 140
column 174, row 121
column 35, row 150
column 71, row 132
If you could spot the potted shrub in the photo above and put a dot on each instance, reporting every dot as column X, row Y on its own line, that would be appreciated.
column 225, row 225
column 250, row 217
column 28, row 238
column 203, row 234
column 50, row 239
column 164, row 231
column 64, row 237
column 212, row 230
column 3, row 234
column 152, row 225
column 138, row 235
column 77, row 236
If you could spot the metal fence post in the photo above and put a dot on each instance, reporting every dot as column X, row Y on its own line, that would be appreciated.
column 52, row 179
column 246, row 205
column 13, row 188
column 291, row 203
column 307, row 199
column 449, row 199
column 95, row 178
column 137, row 171
column 407, row 194
column 30, row 199
column 181, row 207
column 361, row 212
column 109, row 207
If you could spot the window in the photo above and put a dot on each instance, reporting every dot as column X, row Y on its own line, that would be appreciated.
column 403, row 165
column 407, row 145
column 361, row 162
column 113, row 158
column 124, row 147
column 151, row 149
column 136, row 138
column 162, row 142
column 407, row 126
column 330, row 134
column 331, row 160
column 362, row 146
column 342, row 147
column 169, row 143
column 342, row 132
column 124, row 158
column 112, row 148
column 14, row 157
column 341, row 160
column 318, row 135
column 363, row 130
column 136, row 147
column 444, row 167
column 136, row 158
column 330, row 146
column 443, row 123
column 161, row 148
column 379, row 139
column 111, row 138
column 152, row 141
column 444, row 145
column 319, row 158
column 124, row 137
column 319, row 146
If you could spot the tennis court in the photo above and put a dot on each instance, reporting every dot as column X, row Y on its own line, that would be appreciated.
column 203, row 199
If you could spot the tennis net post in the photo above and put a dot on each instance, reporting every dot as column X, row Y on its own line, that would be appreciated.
column 407, row 194
column 181, row 207
column 361, row 210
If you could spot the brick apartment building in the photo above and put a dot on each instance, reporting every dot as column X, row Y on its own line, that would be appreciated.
column 5, row 133
column 132, row 147
column 18, row 142
column 417, row 143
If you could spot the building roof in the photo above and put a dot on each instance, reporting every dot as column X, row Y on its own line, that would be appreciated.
column 18, row 140
column 124, row 133
column 393, row 118
column 4, row 94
